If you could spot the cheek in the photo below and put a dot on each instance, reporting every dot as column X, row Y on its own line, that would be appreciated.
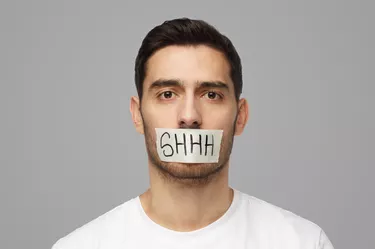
column 220, row 118
column 160, row 116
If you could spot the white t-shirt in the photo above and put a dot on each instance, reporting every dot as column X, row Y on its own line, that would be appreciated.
column 248, row 223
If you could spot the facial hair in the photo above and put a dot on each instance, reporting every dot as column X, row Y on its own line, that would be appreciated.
column 188, row 174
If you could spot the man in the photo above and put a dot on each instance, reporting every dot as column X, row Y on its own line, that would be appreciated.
column 189, row 81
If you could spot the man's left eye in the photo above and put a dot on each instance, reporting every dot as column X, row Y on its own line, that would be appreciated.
column 212, row 95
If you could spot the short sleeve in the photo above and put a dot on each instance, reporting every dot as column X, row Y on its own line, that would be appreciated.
column 324, row 242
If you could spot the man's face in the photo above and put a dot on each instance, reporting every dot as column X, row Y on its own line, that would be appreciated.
column 188, row 87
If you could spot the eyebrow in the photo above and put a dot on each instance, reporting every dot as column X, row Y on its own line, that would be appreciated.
column 213, row 84
column 160, row 83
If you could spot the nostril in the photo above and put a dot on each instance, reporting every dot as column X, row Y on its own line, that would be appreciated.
column 184, row 125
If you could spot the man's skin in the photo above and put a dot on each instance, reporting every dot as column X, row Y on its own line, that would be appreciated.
column 186, row 197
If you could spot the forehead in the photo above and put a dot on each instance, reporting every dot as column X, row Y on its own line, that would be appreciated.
column 188, row 64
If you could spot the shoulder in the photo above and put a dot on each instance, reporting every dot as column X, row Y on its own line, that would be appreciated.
column 106, row 227
column 284, row 225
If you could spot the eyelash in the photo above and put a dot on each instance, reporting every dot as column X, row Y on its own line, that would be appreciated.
column 160, row 95
column 220, row 96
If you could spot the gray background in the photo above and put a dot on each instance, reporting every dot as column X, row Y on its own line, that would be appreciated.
column 69, row 151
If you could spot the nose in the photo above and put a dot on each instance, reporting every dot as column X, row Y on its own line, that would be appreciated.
column 189, row 115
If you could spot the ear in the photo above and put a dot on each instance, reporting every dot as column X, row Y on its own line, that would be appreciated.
column 136, row 114
column 242, row 117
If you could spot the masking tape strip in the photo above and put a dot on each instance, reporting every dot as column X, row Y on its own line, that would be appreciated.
column 188, row 145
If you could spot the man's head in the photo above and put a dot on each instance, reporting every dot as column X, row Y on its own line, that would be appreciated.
column 188, row 75
column 186, row 32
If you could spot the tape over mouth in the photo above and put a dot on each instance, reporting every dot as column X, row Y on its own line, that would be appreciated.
column 188, row 145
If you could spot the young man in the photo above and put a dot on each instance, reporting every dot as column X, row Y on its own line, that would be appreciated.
column 189, row 81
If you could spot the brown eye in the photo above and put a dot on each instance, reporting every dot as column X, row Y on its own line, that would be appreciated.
column 167, row 95
column 212, row 95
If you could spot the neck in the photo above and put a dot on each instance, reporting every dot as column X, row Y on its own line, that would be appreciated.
column 179, row 207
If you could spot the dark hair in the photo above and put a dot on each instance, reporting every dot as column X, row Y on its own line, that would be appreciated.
column 185, row 31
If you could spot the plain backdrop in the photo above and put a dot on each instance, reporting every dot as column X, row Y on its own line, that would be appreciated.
column 69, row 152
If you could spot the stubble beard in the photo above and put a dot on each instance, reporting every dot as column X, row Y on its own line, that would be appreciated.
column 188, row 174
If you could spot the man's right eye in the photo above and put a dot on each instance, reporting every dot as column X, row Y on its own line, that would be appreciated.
column 166, row 95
